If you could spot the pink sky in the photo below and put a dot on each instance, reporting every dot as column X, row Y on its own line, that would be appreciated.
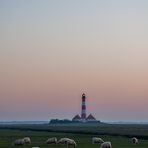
column 50, row 53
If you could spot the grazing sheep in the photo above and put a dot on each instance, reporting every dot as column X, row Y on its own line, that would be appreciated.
column 135, row 140
column 71, row 142
column 27, row 140
column 63, row 141
column 97, row 140
column 52, row 140
column 19, row 142
column 67, row 141
column 106, row 145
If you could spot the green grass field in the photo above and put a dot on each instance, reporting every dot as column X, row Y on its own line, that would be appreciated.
column 83, row 140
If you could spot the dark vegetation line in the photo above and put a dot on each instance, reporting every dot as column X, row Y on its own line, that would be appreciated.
column 111, row 131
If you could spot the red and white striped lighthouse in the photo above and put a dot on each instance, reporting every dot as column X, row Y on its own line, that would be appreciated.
column 83, row 117
column 83, row 111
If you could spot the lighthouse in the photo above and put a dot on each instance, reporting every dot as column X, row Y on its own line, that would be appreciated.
column 83, row 118
column 83, row 108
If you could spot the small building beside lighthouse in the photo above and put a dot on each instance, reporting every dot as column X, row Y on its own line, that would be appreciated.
column 76, row 118
column 84, row 117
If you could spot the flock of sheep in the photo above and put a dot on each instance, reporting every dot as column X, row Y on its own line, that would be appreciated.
column 108, row 143
column 68, row 142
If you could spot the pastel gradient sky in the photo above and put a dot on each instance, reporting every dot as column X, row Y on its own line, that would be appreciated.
column 52, row 51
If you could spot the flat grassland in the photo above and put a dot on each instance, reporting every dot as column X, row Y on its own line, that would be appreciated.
column 119, row 135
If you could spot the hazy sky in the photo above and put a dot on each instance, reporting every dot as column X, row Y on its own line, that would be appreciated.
column 52, row 51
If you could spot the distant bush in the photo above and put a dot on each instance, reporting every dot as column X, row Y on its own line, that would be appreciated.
column 64, row 121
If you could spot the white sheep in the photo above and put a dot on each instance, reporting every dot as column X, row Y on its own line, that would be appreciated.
column 27, row 140
column 67, row 141
column 19, row 142
column 97, row 140
column 52, row 140
column 71, row 142
column 106, row 145
column 135, row 140
column 63, row 140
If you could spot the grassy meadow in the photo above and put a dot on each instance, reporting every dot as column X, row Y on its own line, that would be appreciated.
column 9, row 133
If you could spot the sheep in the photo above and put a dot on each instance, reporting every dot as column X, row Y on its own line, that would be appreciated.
column 67, row 141
column 19, row 142
column 71, row 142
column 27, row 140
column 106, row 145
column 97, row 140
column 52, row 140
column 63, row 140
column 135, row 140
